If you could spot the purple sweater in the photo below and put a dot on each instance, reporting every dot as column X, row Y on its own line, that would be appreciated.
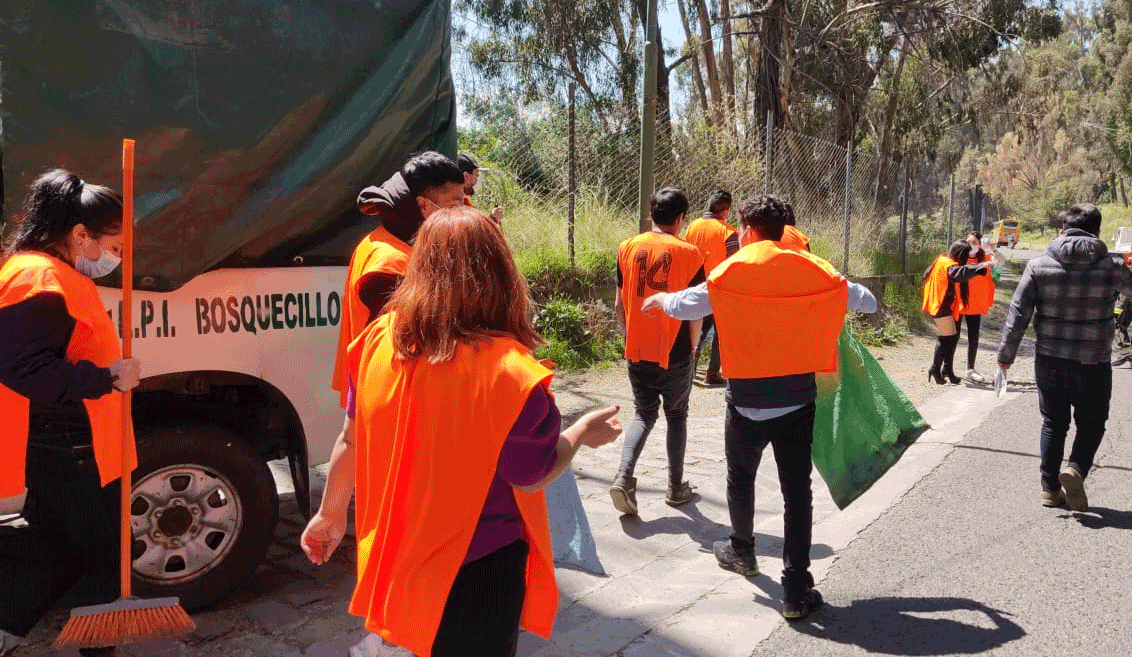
column 529, row 454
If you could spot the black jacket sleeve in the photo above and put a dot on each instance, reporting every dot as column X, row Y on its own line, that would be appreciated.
column 964, row 273
column 32, row 354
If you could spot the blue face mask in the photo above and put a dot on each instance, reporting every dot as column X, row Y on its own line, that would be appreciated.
column 106, row 263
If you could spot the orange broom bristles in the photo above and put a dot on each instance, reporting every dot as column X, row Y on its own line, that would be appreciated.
column 125, row 621
column 129, row 620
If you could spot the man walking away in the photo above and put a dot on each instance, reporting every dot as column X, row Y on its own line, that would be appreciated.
column 779, row 313
column 718, row 241
column 659, row 349
column 1070, row 292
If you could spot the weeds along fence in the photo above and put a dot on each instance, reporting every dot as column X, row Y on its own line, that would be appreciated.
column 568, row 184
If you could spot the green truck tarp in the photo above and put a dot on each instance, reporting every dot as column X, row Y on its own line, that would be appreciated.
column 863, row 424
column 257, row 121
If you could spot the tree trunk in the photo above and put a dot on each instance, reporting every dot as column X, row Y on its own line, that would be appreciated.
column 728, row 58
column 697, row 74
column 709, row 61
column 880, row 192
column 1123, row 195
column 768, row 79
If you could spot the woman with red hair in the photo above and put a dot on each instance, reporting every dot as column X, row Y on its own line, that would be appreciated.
column 454, row 436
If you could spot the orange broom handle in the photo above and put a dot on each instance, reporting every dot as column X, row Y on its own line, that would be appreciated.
column 126, row 538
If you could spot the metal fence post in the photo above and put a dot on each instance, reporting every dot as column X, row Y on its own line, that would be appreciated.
column 571, row 180
column 769, row 152
column 848, row 202
column 648, row 118
column 904, row 183
column 951, row 210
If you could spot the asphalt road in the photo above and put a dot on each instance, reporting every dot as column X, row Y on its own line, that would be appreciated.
column 970, row 562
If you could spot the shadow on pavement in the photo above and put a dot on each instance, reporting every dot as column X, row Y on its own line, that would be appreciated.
column 1033, row 456
column 1098, row 517
column 914, row 626
column 705, row 531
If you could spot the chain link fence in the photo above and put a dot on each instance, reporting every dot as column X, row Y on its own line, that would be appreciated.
column 568, row 183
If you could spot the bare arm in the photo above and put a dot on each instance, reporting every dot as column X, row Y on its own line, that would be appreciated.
column 619, row 308
column 326, row 528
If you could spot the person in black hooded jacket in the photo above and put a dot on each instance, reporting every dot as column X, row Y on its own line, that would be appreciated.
column 426, row 183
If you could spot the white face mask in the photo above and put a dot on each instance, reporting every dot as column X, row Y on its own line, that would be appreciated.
column 106, row 263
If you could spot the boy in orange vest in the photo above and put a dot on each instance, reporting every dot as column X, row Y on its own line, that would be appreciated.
column 470, row 167
column 779, row 313
column 718, row 241
column 659, row 349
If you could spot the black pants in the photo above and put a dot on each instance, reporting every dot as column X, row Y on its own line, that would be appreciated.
column 713, row 359
column 974, row 323
column 1065, row 388
column 651, row 383
column 485, row 605
column 791, row 436
column 71, row 538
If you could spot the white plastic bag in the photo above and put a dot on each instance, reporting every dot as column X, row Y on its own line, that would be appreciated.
column 1000, row 383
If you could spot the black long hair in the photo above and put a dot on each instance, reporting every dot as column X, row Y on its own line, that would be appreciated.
column 57, row 202
column 960, row 252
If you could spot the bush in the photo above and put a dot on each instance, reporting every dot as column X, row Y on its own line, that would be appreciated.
column 578, row 335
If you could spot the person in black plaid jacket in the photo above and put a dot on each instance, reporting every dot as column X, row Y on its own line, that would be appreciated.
column 1070, row 292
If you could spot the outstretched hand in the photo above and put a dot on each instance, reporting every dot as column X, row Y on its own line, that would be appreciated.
column 600, row 427
column 654, row 302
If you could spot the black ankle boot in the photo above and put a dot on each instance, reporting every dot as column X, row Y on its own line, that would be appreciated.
column 937, row 360
column 948, row 371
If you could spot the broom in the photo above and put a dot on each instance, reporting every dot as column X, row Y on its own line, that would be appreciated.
column 129, row 619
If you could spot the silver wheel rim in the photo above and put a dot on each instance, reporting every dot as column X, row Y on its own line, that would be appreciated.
column 185, row 520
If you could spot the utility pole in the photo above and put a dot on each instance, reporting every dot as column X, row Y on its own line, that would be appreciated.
column 648, row 119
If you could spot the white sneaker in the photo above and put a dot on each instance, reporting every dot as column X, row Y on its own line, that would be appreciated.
column 8, row 643
column 976, row 377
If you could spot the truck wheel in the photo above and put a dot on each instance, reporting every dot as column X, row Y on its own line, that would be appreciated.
column 203, row 514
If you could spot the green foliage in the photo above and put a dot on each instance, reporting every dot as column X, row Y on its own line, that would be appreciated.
column 891, row 331
column 578, row 335
column 887, row 261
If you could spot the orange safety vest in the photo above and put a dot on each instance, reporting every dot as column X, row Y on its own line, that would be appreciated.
column 94, row 339
column 710, row 235
column 936, row 285
column 653, row 262
column 428, row 439
column 378, row 252
column 980, row 292
column 778, row 312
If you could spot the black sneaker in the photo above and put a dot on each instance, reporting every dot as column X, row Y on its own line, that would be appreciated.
column 797, row 607
column 739, row 562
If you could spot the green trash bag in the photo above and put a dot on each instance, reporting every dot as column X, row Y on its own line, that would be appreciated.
column 863, row 422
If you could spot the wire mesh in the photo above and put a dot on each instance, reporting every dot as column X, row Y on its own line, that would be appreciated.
column 863, row 217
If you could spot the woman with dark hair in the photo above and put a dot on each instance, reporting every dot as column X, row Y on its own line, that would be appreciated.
column 454, row 434
column 61, row 371
column 945, row 293
column 980, row 298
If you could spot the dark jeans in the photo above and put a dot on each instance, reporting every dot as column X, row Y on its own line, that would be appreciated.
column 974, row 322
column 791, row 436
column 1065, row 385
column 713, row 359
column 485, row 605
column 71, row 538
column 651, row 383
